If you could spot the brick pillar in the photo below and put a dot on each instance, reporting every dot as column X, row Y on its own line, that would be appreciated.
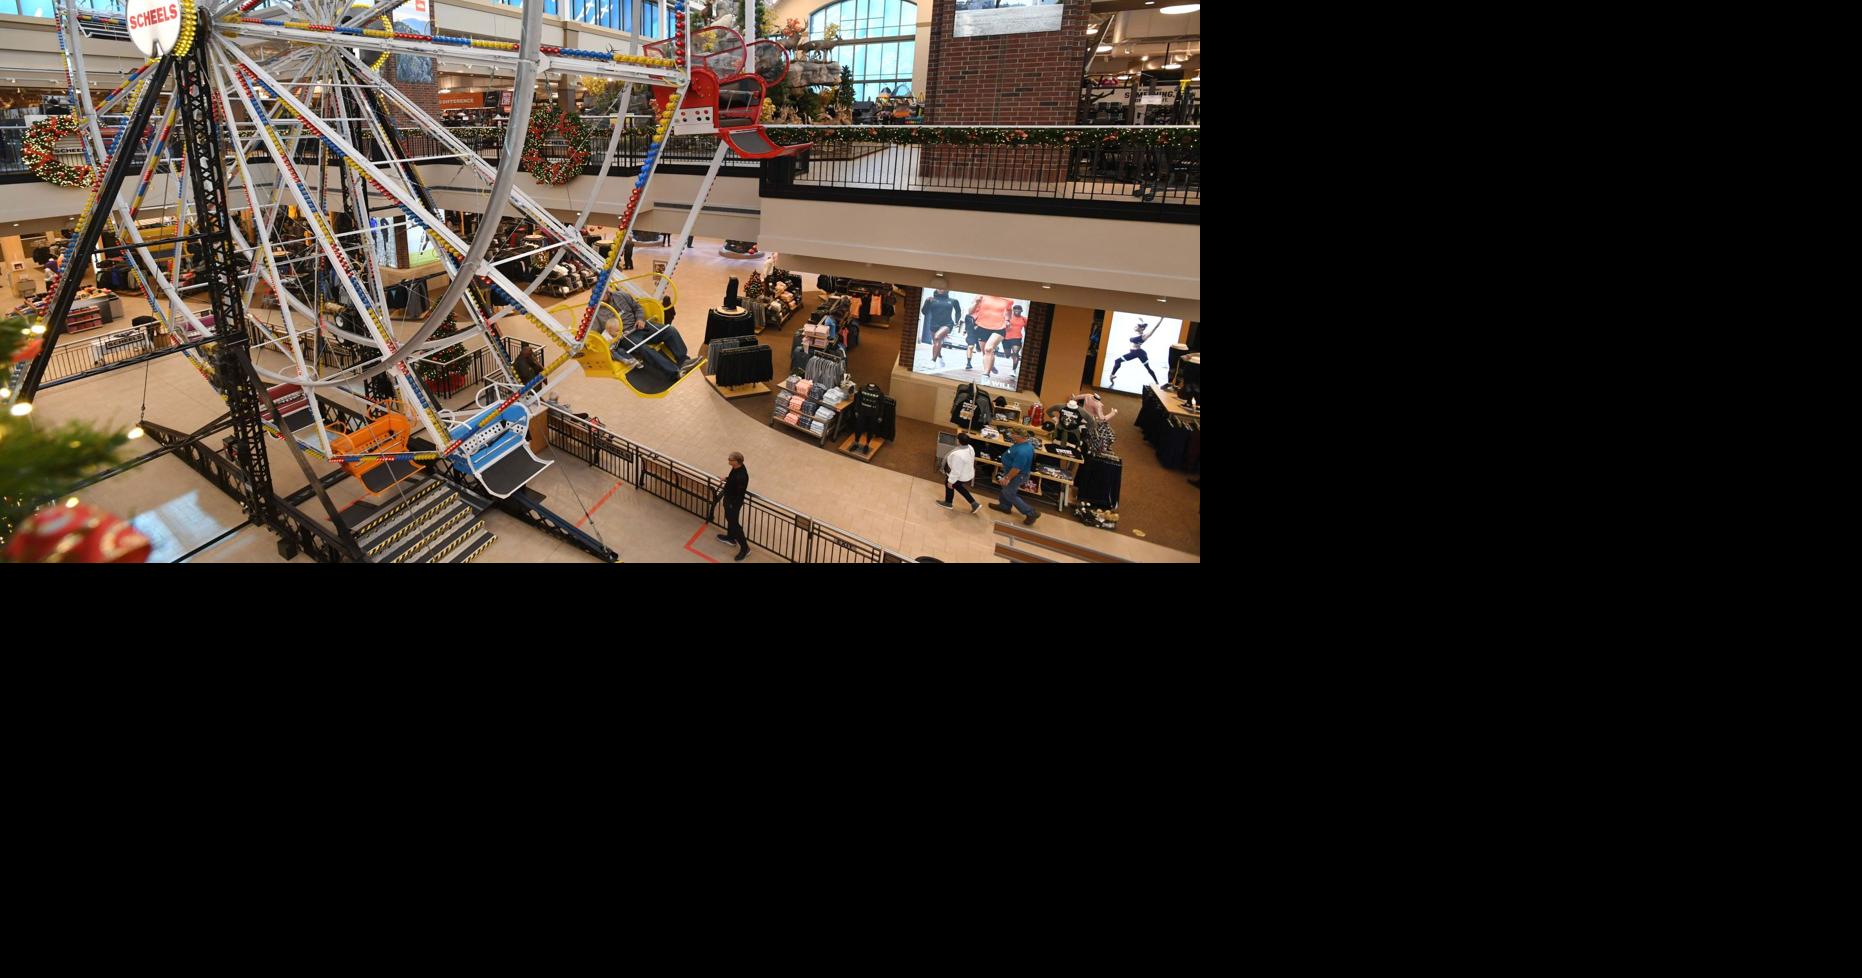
column 1034, row 345
column 909, row 325
column 1004, row 79
column 424, row 94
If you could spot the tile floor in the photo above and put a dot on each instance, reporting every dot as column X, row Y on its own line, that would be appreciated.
column 692, row 423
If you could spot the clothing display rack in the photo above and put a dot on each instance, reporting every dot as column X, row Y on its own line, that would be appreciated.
column 812, row 409
column 1055, row 472
column 741, row 366
column 1167, row 422
column 725, row 323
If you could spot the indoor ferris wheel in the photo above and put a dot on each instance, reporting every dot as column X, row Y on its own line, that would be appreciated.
column 267, row 133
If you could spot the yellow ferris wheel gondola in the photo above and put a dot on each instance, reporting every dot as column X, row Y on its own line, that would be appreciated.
column 597, row 357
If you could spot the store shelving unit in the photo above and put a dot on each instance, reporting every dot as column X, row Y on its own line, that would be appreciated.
column 1056, row 491
column 832, row 428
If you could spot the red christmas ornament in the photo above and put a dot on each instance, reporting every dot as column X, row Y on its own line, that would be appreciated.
column 77, row 535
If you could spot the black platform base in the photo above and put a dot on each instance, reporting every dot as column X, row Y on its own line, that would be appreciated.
column 381, row 477
column 510, row 473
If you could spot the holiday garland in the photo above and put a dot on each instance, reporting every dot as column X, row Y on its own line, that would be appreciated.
column 555, row 122
column 40, row 147
column 988, row 136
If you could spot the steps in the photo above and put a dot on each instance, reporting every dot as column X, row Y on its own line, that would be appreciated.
column 431, row 524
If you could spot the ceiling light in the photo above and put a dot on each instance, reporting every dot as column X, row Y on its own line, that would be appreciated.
column 71, row 503
column 940, row 274
column 1173, row 64
column 1103, row 48
column 22, row 409
column 1163, row 300
column 1047, row 286
column 1181, row 8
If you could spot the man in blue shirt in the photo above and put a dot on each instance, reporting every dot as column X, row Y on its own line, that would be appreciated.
column 1017, row 462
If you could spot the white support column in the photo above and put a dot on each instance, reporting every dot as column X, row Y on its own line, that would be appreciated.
column 691, row 218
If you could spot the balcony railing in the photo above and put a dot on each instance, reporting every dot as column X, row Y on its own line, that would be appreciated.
column 1115, row 172
column 768, row 524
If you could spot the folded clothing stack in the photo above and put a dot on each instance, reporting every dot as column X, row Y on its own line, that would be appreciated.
column 793, row 418
column 824, row 413
column 819, row 427
column 834, row 395
column 817, row 336
column 803, row 387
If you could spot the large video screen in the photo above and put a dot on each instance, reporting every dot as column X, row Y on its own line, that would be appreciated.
column 971, row 337
column 1138, row 351
column 980, row 18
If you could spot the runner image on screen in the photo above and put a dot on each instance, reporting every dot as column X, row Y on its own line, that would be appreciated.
column 1012, row 338
column 1137, row 352
column 988, row 318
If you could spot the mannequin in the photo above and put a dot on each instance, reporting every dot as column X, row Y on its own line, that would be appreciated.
column 866, row 408
column 730, row 296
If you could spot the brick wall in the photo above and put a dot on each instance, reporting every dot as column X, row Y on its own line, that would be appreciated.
column 1034, row 345
column 908, row 325
column 1006, row 79
column 424, row 94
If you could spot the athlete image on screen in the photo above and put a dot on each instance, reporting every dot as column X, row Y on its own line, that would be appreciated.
column 987, row 320
column 940, row 315
column 1012, row 338
column 1137, row 351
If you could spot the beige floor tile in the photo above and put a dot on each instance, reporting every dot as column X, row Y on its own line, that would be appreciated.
column 692, row 424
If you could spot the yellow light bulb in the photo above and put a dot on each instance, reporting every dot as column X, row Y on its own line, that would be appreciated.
column 22, row 409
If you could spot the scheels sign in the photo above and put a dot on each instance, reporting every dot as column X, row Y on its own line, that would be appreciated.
column 150, row 18
column 154, row 25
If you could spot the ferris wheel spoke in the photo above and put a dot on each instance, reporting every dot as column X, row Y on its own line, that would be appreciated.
column 433, row 225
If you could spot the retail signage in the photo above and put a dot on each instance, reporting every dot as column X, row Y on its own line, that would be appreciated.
column 1151, row 100
column 154, row 25
column 981, row 18
column 1137, row 351
column 967, row 336
column 413, row 17
column 462, row 100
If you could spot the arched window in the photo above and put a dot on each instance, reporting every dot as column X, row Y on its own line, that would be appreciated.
column 877, row 42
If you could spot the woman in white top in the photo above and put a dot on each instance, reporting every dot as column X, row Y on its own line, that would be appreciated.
column 960, row 468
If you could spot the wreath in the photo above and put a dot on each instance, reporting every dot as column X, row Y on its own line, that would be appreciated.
column 39, row 152
column 555, row 122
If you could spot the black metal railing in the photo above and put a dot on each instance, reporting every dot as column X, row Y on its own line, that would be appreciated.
column 772, row 526
column 1101, row 174
column 77, row 353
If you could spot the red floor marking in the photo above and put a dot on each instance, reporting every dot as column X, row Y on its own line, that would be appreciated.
column 590, row 514
column 695, row 533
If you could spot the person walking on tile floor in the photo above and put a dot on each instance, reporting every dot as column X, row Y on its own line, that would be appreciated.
column 1017, row 464
column 735, row 485
column 960, row 468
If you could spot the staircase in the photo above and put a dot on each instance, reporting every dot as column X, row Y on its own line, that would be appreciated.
column 431, row 523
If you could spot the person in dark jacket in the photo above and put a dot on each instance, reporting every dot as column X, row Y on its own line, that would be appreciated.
column 940, row 315
column 735, row 486
column 627, row 253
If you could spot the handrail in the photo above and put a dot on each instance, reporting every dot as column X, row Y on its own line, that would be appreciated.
column 1018, row 555
column 768, row 524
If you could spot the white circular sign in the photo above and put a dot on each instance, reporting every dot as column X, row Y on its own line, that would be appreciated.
column 154, row 25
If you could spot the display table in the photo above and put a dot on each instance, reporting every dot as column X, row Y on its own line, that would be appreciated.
column 108, row 307
column 832, row 428
column 1172, row 428
column 1056, row 491
column 741, row 390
